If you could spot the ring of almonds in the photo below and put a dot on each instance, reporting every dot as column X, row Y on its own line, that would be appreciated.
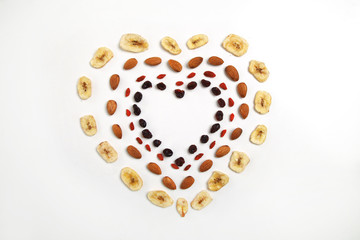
column 234, row 44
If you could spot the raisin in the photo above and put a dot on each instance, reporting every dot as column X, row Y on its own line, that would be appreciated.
column 180, row 161
column 142, row 123
column 136, row 110
column 216, row 91
column 204, row 138
column 167, row 152
column 192, row 149
column 215, row 127
column 161, row 86
column 179, row 93
column 146, row 134
column 219, row 115
column 191, row 85
column 146, row 84
column 205, row 83
column 157, row 142
column 221, row 102
column 138, row 96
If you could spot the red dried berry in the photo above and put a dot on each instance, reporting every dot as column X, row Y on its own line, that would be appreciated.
column 209, row 74
column 160, row 157
column 223, row 86
column 187, row 167
column 139, row 79
column 212, row 144
column 147, row 146
column 191, row 75
column 128, row 113
column 139, row 140
column 179, row 83
column 223, row 132
column 127, row 92
column 199, row 156
column 232, row 117
column 161, row 76
column 173, row 165
column 231, row 102
column 132, row 126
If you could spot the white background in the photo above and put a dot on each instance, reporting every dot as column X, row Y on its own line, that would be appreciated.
column 303, row 183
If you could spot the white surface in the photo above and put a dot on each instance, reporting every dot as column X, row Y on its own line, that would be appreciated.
column 303, row 183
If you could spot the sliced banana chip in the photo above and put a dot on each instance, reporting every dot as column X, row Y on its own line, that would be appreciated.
column 259, row 70
column 107, row 152
column 131, row 179
column 217, row 181
column 182, row 206
column 235, row 44
column 262, row 102
column 258, row 136
column 84, row 87
column 170, row 45
column 88, row 125
column 101, row 57
column 132, row 42
column 160, row 198
column 238, row 161
column 201, row 200
column 197, row 41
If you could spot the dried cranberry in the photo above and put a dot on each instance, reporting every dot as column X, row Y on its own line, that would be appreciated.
column 179, row 93
column 219, row 115
column 221, row 102
column 146, row 134
column 139, row 140
column 205, row 83
column 197, row 157
column 204, row 138
column 160, row 156
column 161, row 76
column 209, row 74
column 231, row 102
column 136, row 110
column 191, row 85
column 127, row 92
column 215, row 127
column 167, row 152
column 212, row 145
column 223, row 86
column 139, row 79
column 179, row 83
column 146, row 84
column 223, row 132
column 191, row 75
column 142, row 123
column 192, row 149
column 157, row 142
column 161, row 86
column 232, row 117
column 187, row 167
column 138, row 96
column 216, row 91
column 147, row 146
column 174, row 166
column 180, row 161
column 128, row 113
column 132, row 127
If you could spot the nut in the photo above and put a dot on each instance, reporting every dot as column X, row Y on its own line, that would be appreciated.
column 187, row 182
column 114, row 81
column 117, row 130
column 134, row 152
column 154, row 168
column 215, row 61
column 242, row 89
column 131, row 63
column 206, row 165
column 232, row 73
column 153, row 61
column 222, row 151
column 175, row 65
column 194, row 62
column 244, row 110
column 169, row 183
column 236, row 133
column 111, row 107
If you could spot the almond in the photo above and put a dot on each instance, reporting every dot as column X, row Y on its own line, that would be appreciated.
column 133, row 151
column 222, row 151
column 242, row 89
column 114, row 81
column 187, row 182
column 131, row 63
column 169, row 183
column 232, row 73
column 244, row 110
column 111, row 107
column 206, row 165
column 194, row 62
column 154, row 168
column 153, row 61
column 236, row 133
column 175, row 65
column 117, row 130
column 215, row 61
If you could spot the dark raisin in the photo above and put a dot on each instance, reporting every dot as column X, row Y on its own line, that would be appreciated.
column 191, row 85
column 219, row 115
column 204, row 138
column 179, row 93
column 146, row 84
column 180, row 161
column 167, row 152
column 221, row 102
column 216, row 91
column 215, row 127
column 157, row 142
column 205, row 83
column 136, row 110
column 161, row 86
column 146, row 134
column 142, row 123
column 192, row 149
column 138, row 96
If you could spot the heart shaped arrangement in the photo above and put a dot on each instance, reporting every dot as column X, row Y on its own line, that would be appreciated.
column 238, row 160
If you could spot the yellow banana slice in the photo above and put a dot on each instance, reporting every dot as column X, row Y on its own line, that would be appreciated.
column 84, row 87
column 132, row 42
column 217, row 181
column 262, row 102
column 170, row 45
column 88, row 125
column 235, row 44
column 258, row 136
column 160, row 198
column 238, row 161
column 259, row 70
column 101, row 57
column 131, row 179
column 182, row 206
column 197, row 41
column 107, row 152
column 201, row 200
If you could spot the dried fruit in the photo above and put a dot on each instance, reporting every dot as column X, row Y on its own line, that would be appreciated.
column 167, row 152
column 154, row 168
column 111, row 107
column 201, row 200
column 114, row 81
column 141, row 78
column 236, row 133
column 195, row 62
column 175, row 65
column 231, row 117
column 138, row 96
column 160, row 156
column 223, row 132
column 146, row 134
column 187, row 182
column 197, row 41
column 215, row 128
column 205, row 83
column 206, row 165
column 209, row 74
column 101, row 57
column 134, row 152
column 204, row 138
column 197, row 157
column 262, row 102
column 131, row 126
column 259, row 70
column 192, row 149
column 258, row 136
column 191, row 75
column 191, row 85
column 212, row 145
column 223, row 86
column 130, row 63
column 84, row 87
column 244, row 110
column 161, row 86
column 131, row 179
column 139, row 140
column 147, row 147
column 182, row 206
column 153, row 61
column 161, row 76
column 232, row 73
column 170, row 45
column 133, row 43
column 157, row 142
column 215, row 61
column 217, row 181
column 88, row 125
column 127, row 92
column 107, row 152
column 142, row 123
column 180, row 161
column 187, row 167
column 231, row 102
column 160, row 198
column 219, row 115
column 179, row 93
column 179, row 83
column 238, row 161
column 221, row 102
column 174, row 166
column 169, row 183
column 117, row 130
column 236, row 45
column 242, row 89
column 216, row 91
column 222, row 151
column 146, row 85
column 136, row 110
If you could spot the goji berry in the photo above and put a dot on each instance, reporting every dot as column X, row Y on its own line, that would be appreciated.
column 232, row 117
column 127, row 92
column 161, row 76
column 132, row 126
column 231, row 102
column 139, row 140
column 223, row 132
column 139, row 79
column 191, row 75
column 174, row 166
column 209, row 74
column 160, row 157
column 179, row 83
column 197, row 157
column 223, row 86
column 147, row 146
column 128, row 113
column 187, row 167
column 212, row 144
